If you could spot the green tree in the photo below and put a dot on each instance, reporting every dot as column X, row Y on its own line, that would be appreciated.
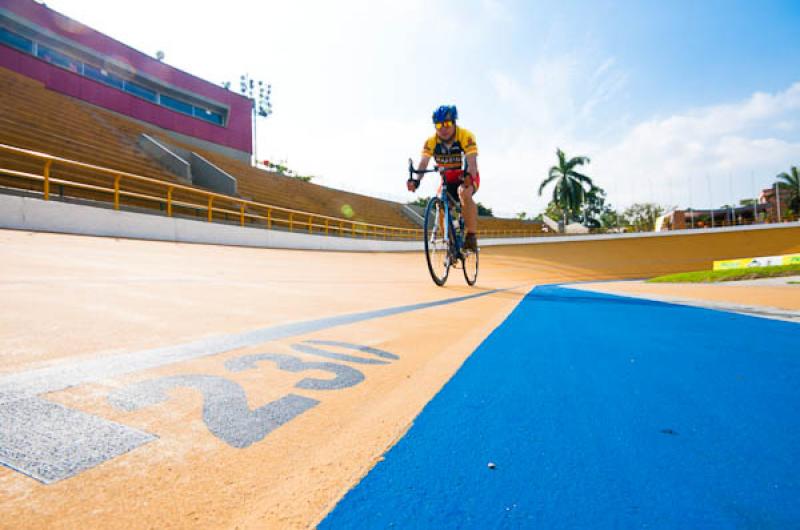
column 569, row 192
column 791, row 183
column 554, row 211
column 521, row 216
column 594, row 207
column 610, row 219
column 422, row 202
column 642, row 216
column 483, row 210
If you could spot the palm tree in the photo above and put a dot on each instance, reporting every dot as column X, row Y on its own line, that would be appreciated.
column 792, row 181
column 568, row 193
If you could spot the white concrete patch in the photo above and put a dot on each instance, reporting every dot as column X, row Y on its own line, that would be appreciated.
column 27, row 213
column 12, row 213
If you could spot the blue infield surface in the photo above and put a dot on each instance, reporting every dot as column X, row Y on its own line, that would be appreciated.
column 600, row 411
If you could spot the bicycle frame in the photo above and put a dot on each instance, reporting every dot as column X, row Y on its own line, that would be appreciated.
column 455, row 250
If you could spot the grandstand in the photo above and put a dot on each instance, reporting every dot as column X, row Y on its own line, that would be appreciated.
column 85, row 97
column 39, row 119
column 35, row 118
column 272, row 188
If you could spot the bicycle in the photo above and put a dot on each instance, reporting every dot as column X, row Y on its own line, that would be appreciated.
column 444, row 236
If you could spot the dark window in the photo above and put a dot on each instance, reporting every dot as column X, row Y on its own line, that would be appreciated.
column 58, row 58
column 101, row 75
column 208, row 115
column 176, row 104
column 16, row 41
column 140, row 91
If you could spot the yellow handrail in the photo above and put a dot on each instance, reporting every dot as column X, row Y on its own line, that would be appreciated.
column 117, row 178
column 46, row 190
column 210, row 197
column 319, row 221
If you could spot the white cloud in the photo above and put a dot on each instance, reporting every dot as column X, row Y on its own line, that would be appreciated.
column 703, row 157
column 734, row 149
column 553, row 106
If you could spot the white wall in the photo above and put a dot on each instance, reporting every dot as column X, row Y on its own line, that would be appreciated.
column 26, row 213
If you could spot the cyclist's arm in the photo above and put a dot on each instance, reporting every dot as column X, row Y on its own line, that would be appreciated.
column 414, row 181
column 472, row 165
column 423, row 165
column 425, row 157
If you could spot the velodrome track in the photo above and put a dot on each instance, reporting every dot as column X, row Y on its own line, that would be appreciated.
column 148, row 384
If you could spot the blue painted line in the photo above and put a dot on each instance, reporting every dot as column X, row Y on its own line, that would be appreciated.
column 71, row 373
column 601, row 411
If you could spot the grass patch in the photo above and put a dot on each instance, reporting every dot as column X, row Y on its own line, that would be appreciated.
column 729, row 275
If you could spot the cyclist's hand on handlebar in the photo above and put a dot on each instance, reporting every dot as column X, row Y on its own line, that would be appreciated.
column 412, row 184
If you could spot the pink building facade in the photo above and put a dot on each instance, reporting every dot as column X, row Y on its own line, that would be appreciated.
column 75, row 60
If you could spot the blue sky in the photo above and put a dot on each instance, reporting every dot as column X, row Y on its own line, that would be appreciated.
column 689, row 54
column 668, row 99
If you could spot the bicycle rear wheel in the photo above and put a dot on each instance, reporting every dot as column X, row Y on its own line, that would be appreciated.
column 436, row 247
column 469, row 263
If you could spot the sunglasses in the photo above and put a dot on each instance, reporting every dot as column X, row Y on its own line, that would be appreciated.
column 447, row 123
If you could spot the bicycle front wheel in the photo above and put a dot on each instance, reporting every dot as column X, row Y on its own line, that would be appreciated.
column 469, row 264
column 436, row 246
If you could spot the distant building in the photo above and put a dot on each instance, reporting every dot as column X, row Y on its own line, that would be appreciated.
column 687, row 219
column 764, row 211
column 768, row 199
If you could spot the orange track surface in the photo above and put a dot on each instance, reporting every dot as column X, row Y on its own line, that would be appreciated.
column 70, row 298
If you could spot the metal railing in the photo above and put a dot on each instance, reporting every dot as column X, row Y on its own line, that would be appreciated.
column 213, row 204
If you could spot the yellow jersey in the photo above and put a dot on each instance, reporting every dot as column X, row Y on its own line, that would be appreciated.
column 451, row 157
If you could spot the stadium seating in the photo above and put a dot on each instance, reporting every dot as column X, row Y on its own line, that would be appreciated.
column 35, row 118
column 271, row 188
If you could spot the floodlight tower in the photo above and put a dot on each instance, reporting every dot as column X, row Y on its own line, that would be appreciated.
column 261, row 100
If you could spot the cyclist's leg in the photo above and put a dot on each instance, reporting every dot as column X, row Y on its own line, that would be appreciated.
column 452, row 194
column 468, row 207
column 440, row 232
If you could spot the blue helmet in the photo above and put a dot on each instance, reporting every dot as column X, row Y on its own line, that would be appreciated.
column 445, row 113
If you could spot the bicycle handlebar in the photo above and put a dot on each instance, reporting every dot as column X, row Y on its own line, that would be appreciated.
column 412, row 171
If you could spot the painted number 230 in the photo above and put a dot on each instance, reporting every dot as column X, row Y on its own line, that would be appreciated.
column 225, row 409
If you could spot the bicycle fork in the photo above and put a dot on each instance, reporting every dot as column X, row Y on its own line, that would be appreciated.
column 450, row 235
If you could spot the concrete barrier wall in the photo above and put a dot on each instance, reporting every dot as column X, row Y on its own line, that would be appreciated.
column 640, row 235
column 641, row 254
column 26, row 213
column 617, row 256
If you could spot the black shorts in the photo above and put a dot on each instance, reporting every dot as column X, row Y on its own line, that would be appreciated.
column 452, row 191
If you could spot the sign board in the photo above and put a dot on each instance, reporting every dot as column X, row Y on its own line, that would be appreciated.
column 763, row 261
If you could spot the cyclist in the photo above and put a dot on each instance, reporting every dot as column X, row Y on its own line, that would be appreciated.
column 448, row 147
